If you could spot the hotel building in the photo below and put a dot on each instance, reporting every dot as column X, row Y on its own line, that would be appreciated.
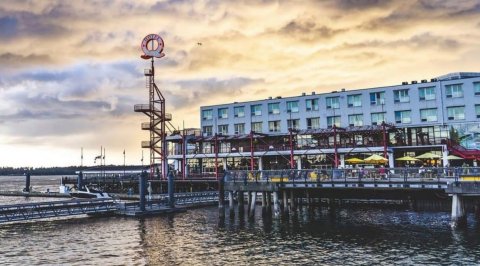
column 325, row 130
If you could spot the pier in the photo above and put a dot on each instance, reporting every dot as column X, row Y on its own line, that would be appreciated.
column 285, row 190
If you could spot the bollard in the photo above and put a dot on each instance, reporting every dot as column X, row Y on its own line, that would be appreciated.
column 171, row 195
column 27, row 182
column 80, row 181
column 141, row 187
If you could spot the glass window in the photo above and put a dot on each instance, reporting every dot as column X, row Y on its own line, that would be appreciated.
column 223, row 129
column 239, row 111
column 477, row 110
column 355, row 120
column 292, row 107
column 456, row 112
column 293, row 123
column 311, row 104
column 239, row 128
column 207, row 114
column 256, row 109
column 313, row 123
column 378, row 118
column 273, row 108
column 428, row 115
column 333, row 120
column 257, row 127
column 476, row 88
column 401, row 96
column 222, row 112
column 377, row 98
column 403, row 117
column 427, row 93
column 354, row 100
column 274, row 126
column 207, row 131
column 454, row 91
column 333, row 102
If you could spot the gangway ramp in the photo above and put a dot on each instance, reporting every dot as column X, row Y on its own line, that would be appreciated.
column 41, row 210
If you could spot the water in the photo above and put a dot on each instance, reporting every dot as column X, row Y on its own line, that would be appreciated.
column 198, row 237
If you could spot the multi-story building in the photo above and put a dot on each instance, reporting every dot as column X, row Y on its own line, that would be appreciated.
column 324, row 130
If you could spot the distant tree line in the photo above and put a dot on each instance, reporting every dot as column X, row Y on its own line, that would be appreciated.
column 68, row 170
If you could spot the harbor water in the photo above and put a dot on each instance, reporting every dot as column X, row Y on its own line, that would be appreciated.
column 311, row 236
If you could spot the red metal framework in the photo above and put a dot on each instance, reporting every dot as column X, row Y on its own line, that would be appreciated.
column 155, row 110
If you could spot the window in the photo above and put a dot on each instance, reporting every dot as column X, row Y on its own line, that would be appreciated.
column 311, row 104
column 273, row 108
column 378, row 118
column 377, row 98
column 354, row 100
column 223, row 129
column 427, row 93
column 313, row 123
column 476, row 88
column 257, row 127
column 256, row 110
column 401, row 96
column 428, row 115
column 293, row 123
column 333, row 120
column 274, row 126
column 239, row 111
column 456, row 112
column 207, row 114
column 292, row 107
column 207, row 131
column 239, row 128
column 403, row 117
column 355, row 120
column 477, row 110
column 333, row 102
column 454, row 91
column 222, row 112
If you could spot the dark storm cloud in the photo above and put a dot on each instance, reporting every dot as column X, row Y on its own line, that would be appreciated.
column 11, row 60
column 8, row 27
column 421, row 41
column 309, row 30
column 26, row 24
column 360, row 4
column 199, row 90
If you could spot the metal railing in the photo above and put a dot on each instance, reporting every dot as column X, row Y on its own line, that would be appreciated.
column 406, row 175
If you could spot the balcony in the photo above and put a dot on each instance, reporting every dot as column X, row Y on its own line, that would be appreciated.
column 146, row 144
column 141, row 108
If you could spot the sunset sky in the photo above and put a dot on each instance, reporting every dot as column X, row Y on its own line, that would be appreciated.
column 71, row 72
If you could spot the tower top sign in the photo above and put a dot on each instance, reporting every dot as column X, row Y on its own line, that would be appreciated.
column 152, row 46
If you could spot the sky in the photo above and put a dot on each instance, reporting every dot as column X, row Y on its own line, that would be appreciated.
column 71, row 72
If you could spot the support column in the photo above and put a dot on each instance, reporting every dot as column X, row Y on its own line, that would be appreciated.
column 171, row 190
column 240, row 198
column 231, row 204
column 342, row 160
column 253, row 204
column 142, row 187
column 391, row 161
column 249, row 201
column 224, row 161
column 444, row 156
column 276, row 205
column 293, row 204
column 264, row 203
column 269, row 202
column 285, row 202
column 299, row 162
column 80, row 180
column 27, row 182
column 459, row 218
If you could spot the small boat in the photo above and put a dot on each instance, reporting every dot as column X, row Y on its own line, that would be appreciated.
column 89, row 193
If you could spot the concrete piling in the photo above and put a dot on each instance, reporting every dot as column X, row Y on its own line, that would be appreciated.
column 142, row 186
column 27, row 182
column 276, row 205
column 231, row 204
column 252, row 204
column 459, row 218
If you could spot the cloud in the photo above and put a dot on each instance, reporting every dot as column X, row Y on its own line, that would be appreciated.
column 11, row 60
column 360, row 4
column 308, row 30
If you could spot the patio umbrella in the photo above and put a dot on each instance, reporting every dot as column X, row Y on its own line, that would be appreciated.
column 453, row 157
column 354, row 160
column 375, row 159
column 406, row 158
column 428, row 155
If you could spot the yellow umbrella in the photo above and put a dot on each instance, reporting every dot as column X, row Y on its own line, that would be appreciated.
column 453, row 157
column 375, row 159
column 428, row 155
column 354, row 160
column 406, row 158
